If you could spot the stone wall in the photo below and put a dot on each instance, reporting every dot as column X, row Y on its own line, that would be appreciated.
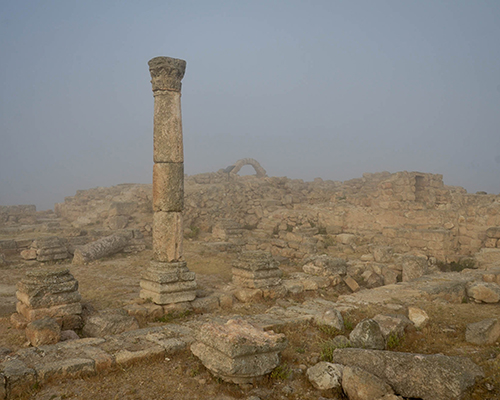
column 409, row 211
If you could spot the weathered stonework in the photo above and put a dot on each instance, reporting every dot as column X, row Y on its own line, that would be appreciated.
column 168, row 280
column 237, row 351
column 50, row 293
column 256, row 269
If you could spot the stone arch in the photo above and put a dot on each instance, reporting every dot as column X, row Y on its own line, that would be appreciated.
column 259, row 171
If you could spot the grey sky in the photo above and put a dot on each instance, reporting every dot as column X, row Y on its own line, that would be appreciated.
column 308, row 88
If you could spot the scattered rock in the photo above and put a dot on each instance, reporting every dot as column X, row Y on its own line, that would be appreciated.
column 325, row 375
column 367, row 335
column 324, row 265
column 351, row 283
column 418, row 316
column 331, row 317
column 359, row 384
column 392, row 324
column 483, row 332
column 43, row 331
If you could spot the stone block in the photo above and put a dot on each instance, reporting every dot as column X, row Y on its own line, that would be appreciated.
column 43, row 331
column 29, row 254
column 205, row 304
column 237, row 351
column 427, row 377
column 168, row 187
column 325, row 376
column 167, row 236
column 165, row 288
column 367, row 335
column 351, row 283
column 109, row 322
column 167, row 135
column 18, row 321
column 484, row 332
column 54, row 312
column 126, row 357
column 66, row 368
column 248, row 295
column 414, row 267
column 359, row 384
column 49, row 300
column 418, row 316
column 484, row 292
column 20, row 379
column 493, row 232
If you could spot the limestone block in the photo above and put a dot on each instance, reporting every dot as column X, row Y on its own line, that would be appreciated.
column 164, row 288
column 484, row 292
column 325, row 375
column 490, row 242
column 205, row 304
column 414, row 267
column 29, row 254
column 367, row 335
column 56, row 312
column 49, row 299
column 351, row 283
column 418, row 316
column 392, row 324
column 168, row 187
column 255, row 283
column 493, row 232
column 18, row 321
column 237, row 351
column 427, row 377
column 331, row 317
column 359, row 384
column 248, row 295
column 167, row 236
column 47, row 243
column 383, row 254
column 483, row 332
column 100, row 248
column 167, row 298
column 324, row 265
column 20, row 379
column 168, row 141
column 43, row 331
column 108, row 322
column 68, row 368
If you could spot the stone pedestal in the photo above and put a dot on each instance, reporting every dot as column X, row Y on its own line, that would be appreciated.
column 237, row 351
column 50, row 293
column 166, row 283
column 168, row 280
column 256, row 269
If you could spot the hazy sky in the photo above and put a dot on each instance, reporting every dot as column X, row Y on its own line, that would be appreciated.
column 308, row 88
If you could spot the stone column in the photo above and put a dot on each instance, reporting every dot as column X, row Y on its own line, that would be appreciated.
column 168, row 280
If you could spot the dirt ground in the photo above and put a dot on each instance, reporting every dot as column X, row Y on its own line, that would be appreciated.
column 114, row 282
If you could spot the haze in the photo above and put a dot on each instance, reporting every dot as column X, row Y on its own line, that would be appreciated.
column 327, row 89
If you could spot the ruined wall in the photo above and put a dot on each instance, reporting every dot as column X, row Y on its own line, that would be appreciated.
column 409, row 211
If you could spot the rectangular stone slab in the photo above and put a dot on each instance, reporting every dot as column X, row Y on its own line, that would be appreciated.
column 168, row 298
column 57, row 311
column 168, row 287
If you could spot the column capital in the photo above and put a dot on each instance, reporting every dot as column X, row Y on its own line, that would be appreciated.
column 166, row 73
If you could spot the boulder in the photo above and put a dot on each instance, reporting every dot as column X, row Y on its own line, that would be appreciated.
column 414, row 267
column 427, row 377
column 325, row 375
column 483, row 332
column 359, row 384
column 367, row 335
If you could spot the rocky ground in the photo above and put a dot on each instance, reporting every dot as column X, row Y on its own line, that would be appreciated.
column 114, row 282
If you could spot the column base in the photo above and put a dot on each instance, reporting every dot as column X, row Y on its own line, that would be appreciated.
column 167, row 283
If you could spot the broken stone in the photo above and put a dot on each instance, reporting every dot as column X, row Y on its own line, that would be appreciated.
column 483, row 332
column 237, row 351
column 100, row 248
column 392, row 324
column 43, row 331
column 351, row 283
column 418, row 316
column 484, row 292
column 325, row 375
column 427, row 377
column 108, row 322
column 331, row 317
column 324, row 265
column 367, row 335
column 414, row 267
column 359, row 384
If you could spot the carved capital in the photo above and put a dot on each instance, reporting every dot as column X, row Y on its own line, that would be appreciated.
column 166, row 73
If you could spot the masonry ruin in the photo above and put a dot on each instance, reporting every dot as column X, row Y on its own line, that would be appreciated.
column 302, row 256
